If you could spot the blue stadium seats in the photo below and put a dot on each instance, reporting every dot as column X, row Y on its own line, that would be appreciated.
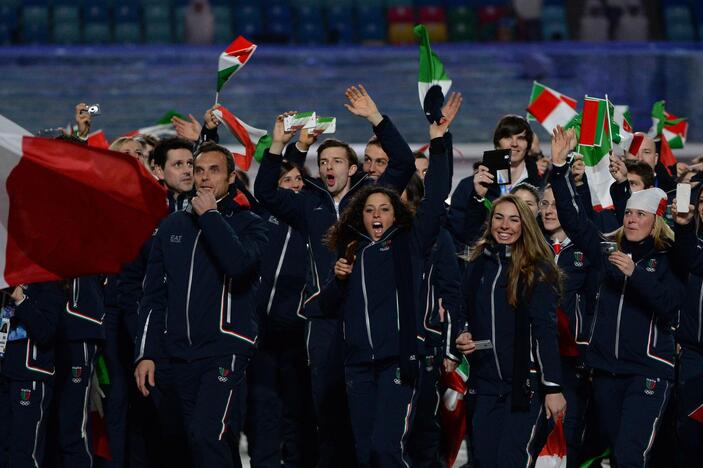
column 158, row 32
column 35, row 24
column 97, row 33
column 96, row 13
column 248, row 21
column 678, row 23
column 310, row 32
column 66, row 32
column 128, row 32
column 127, row 11
column 554, row 24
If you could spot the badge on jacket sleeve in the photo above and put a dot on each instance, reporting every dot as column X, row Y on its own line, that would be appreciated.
column 224, row 373
column 652, row 265
column 649, row 386
column 25, row 396
column 578, row 259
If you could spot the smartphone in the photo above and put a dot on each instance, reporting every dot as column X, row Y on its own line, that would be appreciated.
column 498, row 162
column 483, row 344
column 350, row 252
column 683, row 197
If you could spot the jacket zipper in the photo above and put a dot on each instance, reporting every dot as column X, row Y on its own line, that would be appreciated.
column 366, row 302
column 76, row 292
column 190, row 284
column 493, row 318
column 278, row 271
column 577, row 327
column 617, row 329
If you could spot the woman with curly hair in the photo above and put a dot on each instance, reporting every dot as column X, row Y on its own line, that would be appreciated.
column 512, row 288
column 382, row 250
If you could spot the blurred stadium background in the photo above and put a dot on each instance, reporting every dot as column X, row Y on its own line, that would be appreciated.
column 139, row 59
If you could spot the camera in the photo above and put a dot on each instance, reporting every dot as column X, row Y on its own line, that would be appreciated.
column 608, row 247
column 94, row 109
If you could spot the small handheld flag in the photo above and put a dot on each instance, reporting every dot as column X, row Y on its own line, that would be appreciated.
column 232, row 60
column 433, row 83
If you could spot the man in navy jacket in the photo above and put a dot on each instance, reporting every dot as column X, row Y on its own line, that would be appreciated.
column 198, row 307
column 312, row 212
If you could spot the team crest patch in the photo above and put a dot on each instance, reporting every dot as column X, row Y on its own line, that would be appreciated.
column 76, row 374
column 649, row 386
column 224, row 374
column 578, row 259
column 385, row 245
column 25, row 396
column 652, row 265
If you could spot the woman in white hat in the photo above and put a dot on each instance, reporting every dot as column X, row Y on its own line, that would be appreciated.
column 631, row 345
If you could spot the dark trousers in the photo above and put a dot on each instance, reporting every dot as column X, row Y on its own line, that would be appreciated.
column 75, row 361
column 577, row 390
column 425, row 435
column 205, row 393
column 381, row 411
column 281, row 428
column 502, row 437
column 629, row 410
column 690, row 393
column 325, row 346
column 23, row 410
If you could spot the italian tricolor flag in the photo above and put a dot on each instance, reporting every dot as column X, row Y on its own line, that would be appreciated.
column 621, row 124
column 71, row 210
column 162, row 129
column 233, row 59
column 671, row 131
column 254, row 140
column 595, row 144
column 550, row 108
column 432, row 78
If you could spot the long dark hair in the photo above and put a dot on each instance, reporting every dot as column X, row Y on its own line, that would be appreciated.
column 351, row 221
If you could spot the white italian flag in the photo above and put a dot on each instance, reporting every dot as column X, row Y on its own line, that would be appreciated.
column 431, row 71
column 550, row 108
column 233, row 59
column 69, row 210
column 595, row 144
column 254, row 140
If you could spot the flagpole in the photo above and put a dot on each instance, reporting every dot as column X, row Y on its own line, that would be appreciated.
column 217, row 97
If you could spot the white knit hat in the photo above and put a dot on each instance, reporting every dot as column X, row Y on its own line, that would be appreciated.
column 652, row 200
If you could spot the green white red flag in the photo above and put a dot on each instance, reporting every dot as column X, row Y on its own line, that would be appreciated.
column 432, row 78
column 163, row 128
column 670, row 130
column 550, row 108
column 621, row 126
column 254, row 140
column 595, row 144
column 235, row 56
column 71, row 210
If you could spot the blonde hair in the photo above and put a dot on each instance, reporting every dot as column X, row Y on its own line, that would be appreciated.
column 661, row 232
column 530, row 254
column 119, row 143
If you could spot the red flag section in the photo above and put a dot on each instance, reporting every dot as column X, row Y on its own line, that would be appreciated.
column 543, row 105
column 76, row 210
column 240, row 48
column 666, row 156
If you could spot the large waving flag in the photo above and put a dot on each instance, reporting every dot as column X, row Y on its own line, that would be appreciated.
column 550, row 108
column 433, row 83
column 254, row 140
column 553, row 454
column 233, row 59
column 70, row 210
column 10, row 127
column 595, row 144
column 452, row 411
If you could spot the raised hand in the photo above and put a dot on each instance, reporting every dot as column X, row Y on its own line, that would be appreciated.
column 578, row 169
column 83, row 119
column 482, row 179
column 449, row 111
column 682, row 218
column 563, row 141
column 279, row 136
column 190, row 130
column 342, row 269
column 306, row 139
column 211, row 122
column 617, row 169
column 361, row 104
column 451, row 108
